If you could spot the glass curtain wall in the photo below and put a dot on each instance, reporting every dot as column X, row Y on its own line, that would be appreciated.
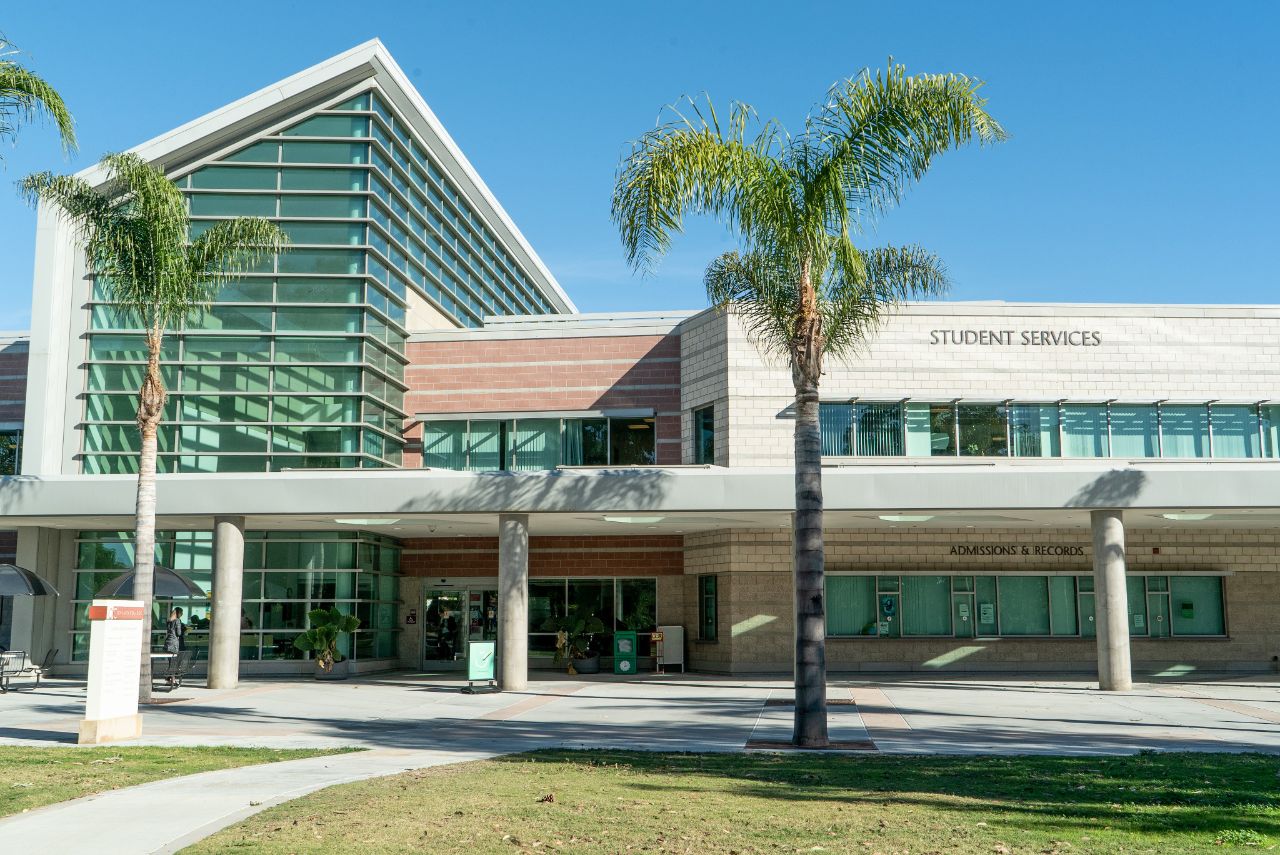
column 301, row 362
column 1012, row 605
column 1065, row 429
column 287, row 574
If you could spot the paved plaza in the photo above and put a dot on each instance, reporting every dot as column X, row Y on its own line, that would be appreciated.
column 900, row 714
column 414, row 721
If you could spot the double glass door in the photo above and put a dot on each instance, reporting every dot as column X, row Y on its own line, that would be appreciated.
column 452, row 619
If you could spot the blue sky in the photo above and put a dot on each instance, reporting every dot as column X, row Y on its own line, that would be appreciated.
column 1141, row 166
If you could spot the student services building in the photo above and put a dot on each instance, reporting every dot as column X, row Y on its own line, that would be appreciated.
column 405, row 416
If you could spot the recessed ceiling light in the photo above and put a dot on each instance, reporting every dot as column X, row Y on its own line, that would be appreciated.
column 368, row 520
column 1186, row 517
column 634, row 520
column 906, row 517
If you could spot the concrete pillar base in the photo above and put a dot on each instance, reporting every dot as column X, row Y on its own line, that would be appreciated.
column 98, row 731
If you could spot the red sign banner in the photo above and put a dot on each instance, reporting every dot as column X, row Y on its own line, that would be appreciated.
column 116, row 613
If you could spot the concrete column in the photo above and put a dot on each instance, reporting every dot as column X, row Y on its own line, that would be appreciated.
column 513, row 601
column 227, row 602
column 32, row 627
column 1111, row 602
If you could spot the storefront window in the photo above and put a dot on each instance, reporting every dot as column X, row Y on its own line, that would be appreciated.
column 1033, row 430
column 1084, row 430
column 533, row 444
column 835, row 423
column 879, row 429
column 1235, row 431
column 1019, row 605
column 10, row 452
column 1184, row 431
column 983, row 430
column 287, row 575
column 926, row 605
column 708, row 608
column 942, row 430
column 1134, row 431
column 704, row 436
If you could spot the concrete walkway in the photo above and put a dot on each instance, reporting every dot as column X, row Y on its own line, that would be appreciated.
column 415, row 721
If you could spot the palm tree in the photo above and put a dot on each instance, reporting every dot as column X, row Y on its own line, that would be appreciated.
column 135, row 232
column 24, row 96
column 804, row 290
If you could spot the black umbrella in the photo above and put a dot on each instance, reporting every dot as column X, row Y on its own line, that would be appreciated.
column 166, row 584
column 18, row 581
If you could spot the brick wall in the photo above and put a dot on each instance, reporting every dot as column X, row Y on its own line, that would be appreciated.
column 488, row 374
column 548, row 556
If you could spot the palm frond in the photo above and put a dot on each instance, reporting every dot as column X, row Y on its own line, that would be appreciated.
column 25, row 97
column 853, row 307
column 877, row 133
column 232, row 247
column 696, row 164
column 761, row 290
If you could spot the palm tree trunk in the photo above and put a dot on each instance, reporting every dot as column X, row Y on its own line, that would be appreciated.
column 811, row 658
column 150, row 409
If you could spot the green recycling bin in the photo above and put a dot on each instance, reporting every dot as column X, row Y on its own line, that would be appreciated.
column 624, row 653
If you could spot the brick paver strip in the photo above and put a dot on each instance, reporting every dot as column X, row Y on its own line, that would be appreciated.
column 532, row 703
column 878, row 712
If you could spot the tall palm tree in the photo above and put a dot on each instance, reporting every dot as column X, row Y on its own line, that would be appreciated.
column 135, row 232
column 804, row 290
column 24, row 97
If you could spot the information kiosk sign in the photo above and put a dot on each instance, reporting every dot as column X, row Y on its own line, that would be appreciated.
column 115, row 661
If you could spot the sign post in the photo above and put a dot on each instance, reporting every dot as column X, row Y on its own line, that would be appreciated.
column 480, row 661
column 115, row 661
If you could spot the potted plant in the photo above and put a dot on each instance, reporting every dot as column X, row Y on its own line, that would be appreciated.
column 321, row 640
column 574, row 642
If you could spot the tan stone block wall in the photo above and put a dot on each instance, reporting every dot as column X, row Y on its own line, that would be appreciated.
column 755, row 597
column 1143, row 354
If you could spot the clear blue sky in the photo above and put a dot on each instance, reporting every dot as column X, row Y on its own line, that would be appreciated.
column 1142, row 165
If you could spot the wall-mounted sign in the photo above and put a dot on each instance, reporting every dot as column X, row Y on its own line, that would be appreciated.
column 986, row 612
column 1033, row 550
column 411, row 618
column 1008, row 338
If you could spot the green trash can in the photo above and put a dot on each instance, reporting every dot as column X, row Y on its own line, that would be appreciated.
column 624, row 653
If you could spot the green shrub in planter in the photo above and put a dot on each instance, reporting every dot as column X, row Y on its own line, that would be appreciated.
column 574, row 637
column 321, row 640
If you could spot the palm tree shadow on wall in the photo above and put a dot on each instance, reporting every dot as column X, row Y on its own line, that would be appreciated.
column 600, row 490
column 1118, row 488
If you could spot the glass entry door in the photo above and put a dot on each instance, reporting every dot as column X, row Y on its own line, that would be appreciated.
column 450, row 620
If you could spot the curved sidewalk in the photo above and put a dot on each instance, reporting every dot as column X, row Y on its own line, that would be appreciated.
column 164, row 816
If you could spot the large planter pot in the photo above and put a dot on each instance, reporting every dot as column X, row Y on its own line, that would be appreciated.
column 341, row 671
column 590, row 665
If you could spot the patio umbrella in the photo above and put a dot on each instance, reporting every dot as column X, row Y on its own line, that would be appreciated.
column 18, row 581
column 166, row 585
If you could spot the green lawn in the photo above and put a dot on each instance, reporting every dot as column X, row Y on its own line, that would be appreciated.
column 33, row 777
column 607, row 802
